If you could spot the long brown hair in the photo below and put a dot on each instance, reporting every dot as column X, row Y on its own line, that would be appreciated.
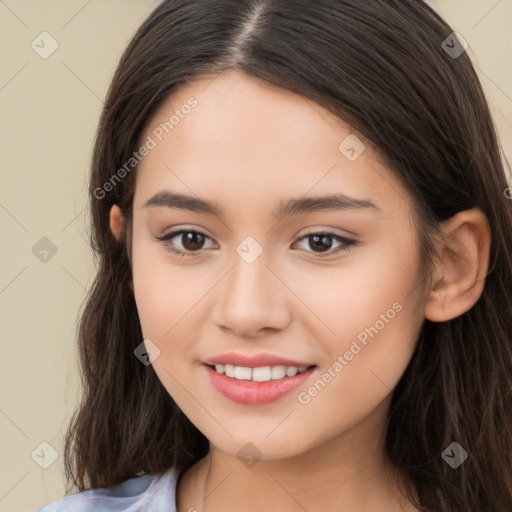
column 382, row 67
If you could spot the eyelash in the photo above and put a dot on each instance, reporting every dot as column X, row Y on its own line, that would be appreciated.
column 346, row 242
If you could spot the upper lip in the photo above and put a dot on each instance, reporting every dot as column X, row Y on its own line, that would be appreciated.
column 254, row 361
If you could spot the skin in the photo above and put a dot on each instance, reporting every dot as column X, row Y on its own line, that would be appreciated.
column 247, row 146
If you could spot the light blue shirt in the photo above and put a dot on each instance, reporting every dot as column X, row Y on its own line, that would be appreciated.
column 146, row 493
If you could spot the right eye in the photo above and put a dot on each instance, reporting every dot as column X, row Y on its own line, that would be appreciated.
column 192, row 242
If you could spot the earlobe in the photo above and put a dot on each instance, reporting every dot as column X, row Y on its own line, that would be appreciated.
column 116, row 221
column 117, row 226
column 459, row 276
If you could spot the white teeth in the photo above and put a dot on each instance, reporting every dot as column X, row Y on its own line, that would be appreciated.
column 260, row 374
column 278, row 372
column 243, row 373
column 291, row 371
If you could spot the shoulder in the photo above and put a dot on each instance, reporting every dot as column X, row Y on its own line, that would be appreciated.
column 145, row 492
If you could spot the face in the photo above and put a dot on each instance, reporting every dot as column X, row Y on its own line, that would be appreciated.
column 333, row 288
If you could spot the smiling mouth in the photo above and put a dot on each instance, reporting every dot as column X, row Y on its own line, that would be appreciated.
column 258, row 374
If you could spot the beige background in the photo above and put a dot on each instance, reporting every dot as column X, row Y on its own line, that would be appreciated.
column 49, row 113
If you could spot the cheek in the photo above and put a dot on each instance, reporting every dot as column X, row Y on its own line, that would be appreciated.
column 169, row 299
column 345, row 299
column 371, row 319
column 169, row 304
column 364, row 362
column 164, row 291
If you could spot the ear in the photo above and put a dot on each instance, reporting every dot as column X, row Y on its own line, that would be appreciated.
column 459, row 276
column 116, row 222
column 117, row 226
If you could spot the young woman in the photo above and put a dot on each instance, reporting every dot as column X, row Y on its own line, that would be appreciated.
column 302, row 225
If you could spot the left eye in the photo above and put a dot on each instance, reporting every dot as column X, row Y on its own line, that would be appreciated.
column 194, row 240
column 321, row 240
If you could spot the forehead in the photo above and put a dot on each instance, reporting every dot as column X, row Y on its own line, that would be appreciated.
column 231, row 136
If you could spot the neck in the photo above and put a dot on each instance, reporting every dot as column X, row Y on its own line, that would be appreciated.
column 347, row 473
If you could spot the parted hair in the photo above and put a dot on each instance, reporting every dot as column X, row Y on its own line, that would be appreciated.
column 382, row 67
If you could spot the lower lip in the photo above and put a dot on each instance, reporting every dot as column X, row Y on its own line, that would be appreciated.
column 250, row 392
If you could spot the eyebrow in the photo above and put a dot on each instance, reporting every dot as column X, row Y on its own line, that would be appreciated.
column 290, row 207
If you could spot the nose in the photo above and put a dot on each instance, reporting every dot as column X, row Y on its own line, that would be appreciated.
column 252, row 299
